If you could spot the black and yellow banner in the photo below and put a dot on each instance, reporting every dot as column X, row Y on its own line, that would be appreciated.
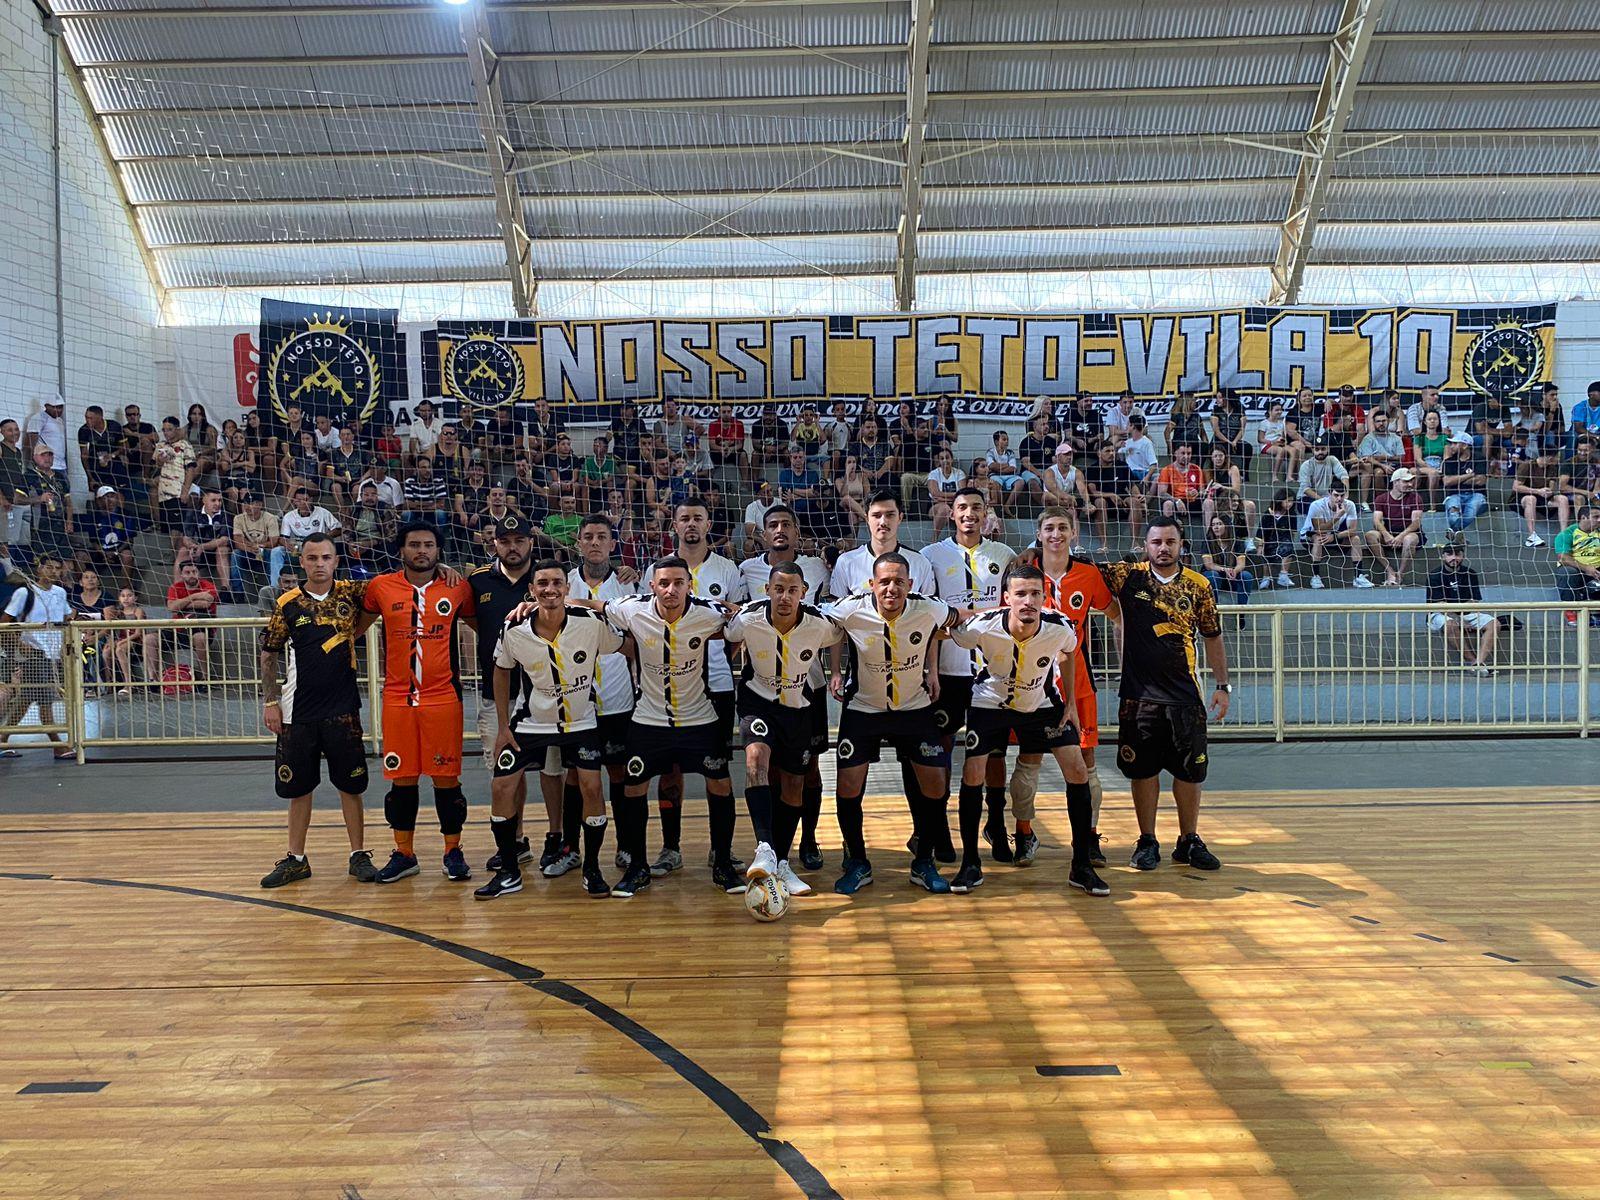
column 349, row 363
column 989, row 364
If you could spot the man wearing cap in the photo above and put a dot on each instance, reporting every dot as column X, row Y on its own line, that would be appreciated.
column 1464, row 498
column 1396, row 525
column 113, row 531
column 100, row 449
column 45, row 490
column 1380, row 452
column 257, row 542
column 1456, row 583
column 1318, row 474
column 49, row 427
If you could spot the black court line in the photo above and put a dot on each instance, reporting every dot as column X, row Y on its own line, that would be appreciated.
column 811, row 1182
column 1428, row 937
column 1305, row 904
column 66, row 1087
column 1500, row 957
column 1087, row 1069
column 1573, row 979
column 1366, row 920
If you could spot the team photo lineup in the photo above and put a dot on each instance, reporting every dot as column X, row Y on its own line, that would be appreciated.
column 599, row 681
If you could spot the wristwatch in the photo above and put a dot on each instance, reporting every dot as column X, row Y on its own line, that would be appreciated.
column 1225, row 688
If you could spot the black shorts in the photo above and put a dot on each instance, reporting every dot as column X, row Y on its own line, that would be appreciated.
column 787, row 732
column 989, row 730
column 614, row 737
column 304, row 744
column 580, row 749
column 911, row 734
column 950, row 709
column 726, row 707
column 694, row 749
column 1152, row 738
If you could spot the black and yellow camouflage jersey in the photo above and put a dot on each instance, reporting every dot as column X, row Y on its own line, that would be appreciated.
column 1160, row 622
column 318, row 640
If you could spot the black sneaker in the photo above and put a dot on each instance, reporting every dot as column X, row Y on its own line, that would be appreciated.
column 970, row 876
column 1146, row 853
column 811, row 857
column 399, row 866
column 1191, row 851
column 554, row 848
column 634, row 880
column 999, row 842
column 287, row 869
column 455, row 866
column 503, row 884
column 1027, row 849
column 728, row 879
column 1085, row 880
column 594, row 884
column 1097, row 854
column 524, row 853
column 361, row 867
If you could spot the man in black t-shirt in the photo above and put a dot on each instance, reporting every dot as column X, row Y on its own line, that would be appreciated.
column 100, row 449
column 1112, row 484
column 1456, row 583
column 1083, row 427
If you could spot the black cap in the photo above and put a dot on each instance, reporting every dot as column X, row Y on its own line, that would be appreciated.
column 252, row 498
column 511, row 525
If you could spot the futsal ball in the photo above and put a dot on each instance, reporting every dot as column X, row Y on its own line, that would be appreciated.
column 767, row 899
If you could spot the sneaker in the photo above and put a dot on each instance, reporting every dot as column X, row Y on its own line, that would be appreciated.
column 554, row 846
column 361, row 868
column 999, row 842
column 524, row 853
column 667, row 862
column 1097, row 855
column 1085, row 880
column 1533, row 541
column 1365, row 507
column 925, row 874
column 1284, row 580
column 594, row 884
column 763, row 864
column 569, row 860
column 455, row 866
column 623, row 859
column 1191, row 851
column 736, row 862
column 970, row 876
column 857, row 875
column 1027, row 849
column 728, row 879
column 634, row 880
column 1316, row 583
column 1249, row 545
column 811, row 857
column 503, row 884
column 791, row 881
column 1482, row 670
column 398, row 867
column 1264, row 584
column 1146, row 853
column 287, row 869
column 1361, row 580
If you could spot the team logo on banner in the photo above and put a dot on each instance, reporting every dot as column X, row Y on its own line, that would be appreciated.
column 324, row 369
column 483, row 373
column 1504, row 361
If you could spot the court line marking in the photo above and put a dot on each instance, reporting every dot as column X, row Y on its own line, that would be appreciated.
column 64, row 1087
column 1073, row 1072
column 811, row 1182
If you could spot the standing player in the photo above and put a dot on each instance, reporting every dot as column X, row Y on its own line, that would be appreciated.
column 423, row 716
column 967, row 570
column 1161, row 721
column 555, row 654
column 852, row 574
column 715, row 579
column 316, row 713
column 1025, row 691
column 675, row 724
column 783, row 639
column 1072, row 587
column 780, row 530
column 891, row 686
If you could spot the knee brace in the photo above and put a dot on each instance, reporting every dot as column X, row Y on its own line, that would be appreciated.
column 400, row 807
column 451, row 805
column 1024, row 788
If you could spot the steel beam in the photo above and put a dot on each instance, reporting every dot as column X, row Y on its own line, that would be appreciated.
column 1335, row 98
column 502, row 158
column 905, row 278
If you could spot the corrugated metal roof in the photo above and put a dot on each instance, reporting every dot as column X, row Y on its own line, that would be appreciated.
column 1133, row 20
column 1477, row 242
column 1089, row 70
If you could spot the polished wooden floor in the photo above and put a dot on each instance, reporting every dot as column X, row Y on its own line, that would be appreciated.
column 1381, row 995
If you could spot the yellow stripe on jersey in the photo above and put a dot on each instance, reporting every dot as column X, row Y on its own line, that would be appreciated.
column 558, row 680
column 889, row 674
column 666, row 675
column 971, row 559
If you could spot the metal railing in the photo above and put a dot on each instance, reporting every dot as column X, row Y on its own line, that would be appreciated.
column 1299, row 671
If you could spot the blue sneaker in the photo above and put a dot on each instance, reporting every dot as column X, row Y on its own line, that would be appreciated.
column 857, row 875
column 398, row 867
column 925, row 873
column 455, row 866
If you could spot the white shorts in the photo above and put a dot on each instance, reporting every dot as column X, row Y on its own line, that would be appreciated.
column 489, row 726
column 1472, row 620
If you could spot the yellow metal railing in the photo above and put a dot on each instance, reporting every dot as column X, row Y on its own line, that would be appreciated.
column 1299, row 671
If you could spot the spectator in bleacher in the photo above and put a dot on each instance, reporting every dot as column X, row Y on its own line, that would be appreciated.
column 1180, row 483
column 125, row 641
column 616, row 509
column 1390, row 406
column 1275, row 445
column 1139, row 452
column 13, row 483
column 672, row 427
column 1427, row 401
column 1547, row 422
column 657, row 493
column 479, row 516
column 1381, row 451
column 755, row 516
column 100, row 449
column 1583, row 472
column 175, row 472
column 138, row 444
column 1318, row 475
column 1456, row 583
column 113, row 529
column 346, row 466
column 369, row 534
column 302, row 466
column 838, row 434
column 237, row 469
column 1064, row 485
column 1577, row 550
column 1113, row 489
column 500, row 439
column 800, row 487
column 914, row 459
column 207, row 535
column 807, row 433
column 1224, row 561
column 423, row 433
column 1083, row 428
column 625, row 431
column 1228, row 430
column 1119, row 418
column 1540, row 486
column 1428, row 450
column 1333, row 520
column 1304, row 422
column 1224, row 493
column 1185, row 428
column 561, row 469
column 390, row 490
column 427, row 498
column 191, row 598
column 258, row 549
column 203, row 438
column 720, row 523
column 469, row 499
column 943, row 428
column 698, row 458
column 1396, row 526
column 943, row 482
column 269, row 594
column 543, row 428
column 1344, row 422
column 1006, row 470
column 327, row 437
column 451, row 457
column 871, row 416
column 598, row 474
column 289, row 431
column 725, row 443
column 1585, row 416
column 48, row 426
column 1491, row 430
column 47, row 492
column 304, row 518
column 35, row 666
column 524, row 492
column 1463, row 483
column 560, row 528
column 1276, row 538
column 769, row 441
column 1038, row 453
column 876, row 458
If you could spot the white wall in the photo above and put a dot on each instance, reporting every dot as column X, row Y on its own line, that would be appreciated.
column 1577, row 348
column 111, row 305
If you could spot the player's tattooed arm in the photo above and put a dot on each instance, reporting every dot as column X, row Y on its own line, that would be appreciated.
column 271, row 692
column 1066, row 671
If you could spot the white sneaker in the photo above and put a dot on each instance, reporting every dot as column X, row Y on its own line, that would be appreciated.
column 763, row 863
column 1285, row 580
column 793, row 882
column 1316, row 583
column 1362, row 581
column 1249, row 545
column 1263, row 583
column 1533, row 540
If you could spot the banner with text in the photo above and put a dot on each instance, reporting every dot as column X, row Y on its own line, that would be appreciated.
column 343, row 362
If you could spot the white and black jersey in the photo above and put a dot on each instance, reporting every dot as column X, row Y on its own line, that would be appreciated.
column 889, row 656
column 966, row 577
column 557, row 693
column 672, row 659
column 1016, row 676
column 718, row 580
column 613, row 681
column 757, row 571
column 852, row 574
column 777, row 666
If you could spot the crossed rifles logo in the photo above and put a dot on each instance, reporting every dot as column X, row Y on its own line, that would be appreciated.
column 324, row 368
